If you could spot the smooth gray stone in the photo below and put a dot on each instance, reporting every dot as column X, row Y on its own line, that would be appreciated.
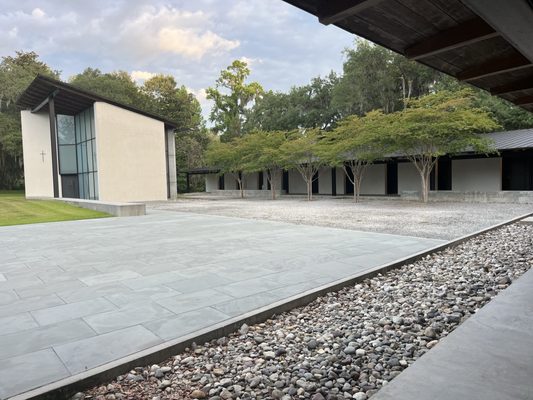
column 17, row 374
column 199, row 282
column 130, row 315
column 34, row 303
column 70, row 311
column 144, row 295
column 88, row 353
column 246, row 304
column 49, row 288
column 188, row 322
column 192, row 301
column 91, row 292
column 42, row 337
column 109, row 277
column 16, row 323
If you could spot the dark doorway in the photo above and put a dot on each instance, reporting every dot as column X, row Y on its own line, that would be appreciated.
column 315, row 184
column 221, row 182
column 285, row 182
column 348, row 178
column 517, row 172
column 260, row 180
column 69, row 186
column 444, row 174
column 432, row 176
column 392, row 177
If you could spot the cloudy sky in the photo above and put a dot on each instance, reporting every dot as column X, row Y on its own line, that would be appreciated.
column 190, row 39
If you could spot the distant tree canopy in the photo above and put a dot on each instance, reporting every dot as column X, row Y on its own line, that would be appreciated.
column 16, row 73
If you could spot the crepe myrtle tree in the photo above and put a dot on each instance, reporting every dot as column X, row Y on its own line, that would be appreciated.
column 353, row 145
column 435, row 125
column 229, row 158
column 301, row 151
column 262, row 153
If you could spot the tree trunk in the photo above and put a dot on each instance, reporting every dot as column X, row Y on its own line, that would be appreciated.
column 425, row 191
column 309, row 189
column 357, row 189
column 241, row 188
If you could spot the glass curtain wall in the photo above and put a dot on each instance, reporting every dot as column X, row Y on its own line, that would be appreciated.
column 86, row 154
column 77, row 151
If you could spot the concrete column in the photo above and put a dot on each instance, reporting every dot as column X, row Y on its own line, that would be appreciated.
column 171, row 164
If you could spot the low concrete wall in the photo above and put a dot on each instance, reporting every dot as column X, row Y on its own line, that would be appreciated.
column 520, row 197
column 116, row 209
column 261, row 194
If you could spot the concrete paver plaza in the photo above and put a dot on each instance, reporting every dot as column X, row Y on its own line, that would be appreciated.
column 76, row 295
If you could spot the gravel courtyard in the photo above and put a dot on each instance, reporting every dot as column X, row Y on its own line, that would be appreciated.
column 432, row 220
column 345, row 345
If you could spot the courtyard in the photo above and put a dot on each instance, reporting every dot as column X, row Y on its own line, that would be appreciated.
column 77, row 295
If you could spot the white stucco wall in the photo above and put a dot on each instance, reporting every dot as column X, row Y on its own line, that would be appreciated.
column 211, row 182
column 408, row 177
column 297, row 184
column 476, row 175
column 35, row 140
column 230, row 183
column 251, row 181
column 374, row 179
column 324, row 181
column 131, row 155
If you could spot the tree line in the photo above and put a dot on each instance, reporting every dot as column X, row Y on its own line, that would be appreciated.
column 373, row 78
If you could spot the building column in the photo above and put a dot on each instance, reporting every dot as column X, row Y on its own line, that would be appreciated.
column 53, row 145
column 333, row 181
column 172, row 181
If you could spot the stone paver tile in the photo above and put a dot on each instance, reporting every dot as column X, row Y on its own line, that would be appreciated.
column 248, row 287
column 49, row 288
column 8, row 296
column 88, row 353
column 2, row 278
column 91, row 292
column 110, row 277
column 18, row 374
column 130, row 315
column 19, row 283
column 53, row 315
column 18, row 343
column 34, row 303
column 16, row 323
column 199, row 282
column 141, row 282
column 192, row 301
column 246, row 304
column 171, row 328
column 142, row 295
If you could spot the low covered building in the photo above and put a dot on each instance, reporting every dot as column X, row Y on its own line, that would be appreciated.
column 501, row 175
column 77, row 144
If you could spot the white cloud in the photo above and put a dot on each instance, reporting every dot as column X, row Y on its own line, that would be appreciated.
column 141, row 75
column 38, row 13
column 193, row 44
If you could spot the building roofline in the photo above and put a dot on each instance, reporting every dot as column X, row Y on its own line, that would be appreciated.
column 22, row 101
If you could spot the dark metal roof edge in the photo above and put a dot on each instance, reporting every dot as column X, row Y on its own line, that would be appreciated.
column 94, row 97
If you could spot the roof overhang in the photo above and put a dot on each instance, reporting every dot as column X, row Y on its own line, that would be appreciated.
column 70, row 100
column 487, row 43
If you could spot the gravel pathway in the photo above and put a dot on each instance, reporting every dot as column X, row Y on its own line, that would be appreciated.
column 433, row 220
column 345, row 345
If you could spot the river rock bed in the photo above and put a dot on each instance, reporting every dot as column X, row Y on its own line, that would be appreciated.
column 346, row 344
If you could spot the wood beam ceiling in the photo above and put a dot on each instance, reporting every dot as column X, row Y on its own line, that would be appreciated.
column 332, row 11
column 522, row 101
column 464, row 34
column 516, row 86
column 494, row 67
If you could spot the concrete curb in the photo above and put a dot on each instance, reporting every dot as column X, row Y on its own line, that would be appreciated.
column 67, row 387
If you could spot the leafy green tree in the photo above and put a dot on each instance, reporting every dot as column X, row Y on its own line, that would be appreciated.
column 116, row 86
column 262, row 153
column 16, row 73
column 354, row 145
column 229, row 158
column 175, row 103
column 302, row 152
column 273, row 111
column 435, row 125
column 232, row 97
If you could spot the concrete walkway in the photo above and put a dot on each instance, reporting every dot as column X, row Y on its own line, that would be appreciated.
column 76, row 295
column 488, row 357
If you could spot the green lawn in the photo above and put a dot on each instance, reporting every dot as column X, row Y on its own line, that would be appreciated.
column 16, row 210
